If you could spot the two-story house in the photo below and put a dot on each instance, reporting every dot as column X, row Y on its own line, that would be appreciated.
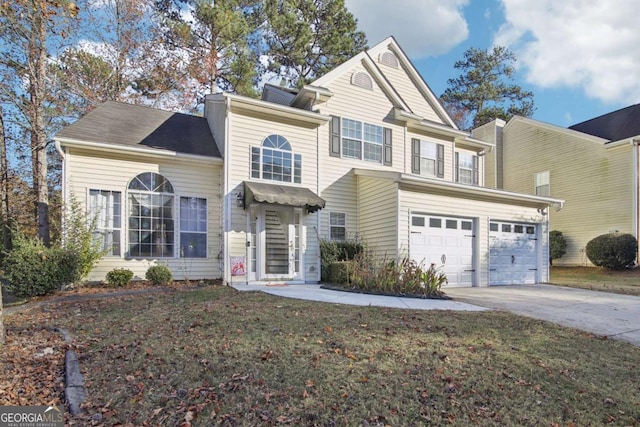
column 247, row 192
column 592, row 165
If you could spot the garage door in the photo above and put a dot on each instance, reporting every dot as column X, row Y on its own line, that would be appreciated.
column 512, row 253
column 446, row 242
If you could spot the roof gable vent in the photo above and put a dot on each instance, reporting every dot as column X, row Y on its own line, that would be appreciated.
column 388, row 59
column 362, row 79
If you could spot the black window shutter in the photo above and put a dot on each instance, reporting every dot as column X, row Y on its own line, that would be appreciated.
column 440, row 162
column 387, row 148
column 415, row 155
column 476, row 175
column 457, row 172
column 334, row 137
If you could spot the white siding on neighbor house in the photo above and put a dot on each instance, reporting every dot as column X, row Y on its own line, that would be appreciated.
column 249, row 129
column 596, row 182
column 406, row 88
column 88, row 170
column 378, row 215
column 413, row 200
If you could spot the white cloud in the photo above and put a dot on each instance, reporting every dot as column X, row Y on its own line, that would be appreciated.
column 591, row 45
column 422, row 27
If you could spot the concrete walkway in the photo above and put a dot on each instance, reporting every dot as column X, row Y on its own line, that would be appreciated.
column 315, row 293
column 602, row 313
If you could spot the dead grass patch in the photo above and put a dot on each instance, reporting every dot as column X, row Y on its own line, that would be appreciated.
column 214, row 356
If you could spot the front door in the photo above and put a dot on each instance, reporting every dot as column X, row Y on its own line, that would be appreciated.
column 275, row 243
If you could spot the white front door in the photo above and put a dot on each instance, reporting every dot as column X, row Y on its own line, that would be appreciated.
column 275, row 243
column 512, row 253
column 446, row 242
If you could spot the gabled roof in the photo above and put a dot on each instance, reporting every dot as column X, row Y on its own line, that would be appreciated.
column 128, row 125
column 615, row 126
column 366, row 59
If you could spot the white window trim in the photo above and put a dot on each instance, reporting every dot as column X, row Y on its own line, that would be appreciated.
column 260, row 170
column 362, row 141
column 344, row 226
column 546, row 175
column 119, row 230
column 205, row 232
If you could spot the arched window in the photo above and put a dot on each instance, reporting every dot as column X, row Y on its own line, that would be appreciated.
column 275, row 161
column 362, row 79
column 151, row 216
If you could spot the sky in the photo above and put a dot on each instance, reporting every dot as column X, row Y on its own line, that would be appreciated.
column 580, row 58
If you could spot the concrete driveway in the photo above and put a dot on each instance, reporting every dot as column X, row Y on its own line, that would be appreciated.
column 602, row 313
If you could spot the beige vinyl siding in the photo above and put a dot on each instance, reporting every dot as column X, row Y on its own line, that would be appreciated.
column 88, row 170
column 406, row 88
column 378, row 215
column 596, row 182
column 216, row 118
column 249, row 129
column 337, row 184
column 492, row 159
column 412, row 200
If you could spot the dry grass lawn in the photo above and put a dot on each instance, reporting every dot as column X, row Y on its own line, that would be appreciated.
column 214, row 356
column 625, row 282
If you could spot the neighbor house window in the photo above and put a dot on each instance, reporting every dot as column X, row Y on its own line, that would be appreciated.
column 105, row 211
column 467, row 168
column 542, row 184
column 151, row 221
column 338, row 225
column 193, row 227
column 275, row 161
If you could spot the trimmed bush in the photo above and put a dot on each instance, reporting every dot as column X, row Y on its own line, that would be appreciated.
column 614, row 251
column 557, row 245
column 32, row 269
column 332, row 251
column 340, row 272
column 119, row 277
column 159, row 275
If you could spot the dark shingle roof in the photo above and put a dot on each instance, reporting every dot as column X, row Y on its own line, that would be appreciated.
column 119, row 123
column 614, row 126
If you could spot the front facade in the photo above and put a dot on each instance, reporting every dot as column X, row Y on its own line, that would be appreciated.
column 365, row 152
column 597, row 176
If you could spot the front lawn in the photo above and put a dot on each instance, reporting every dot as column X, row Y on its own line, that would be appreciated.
column 215, row 356
column 625, row 282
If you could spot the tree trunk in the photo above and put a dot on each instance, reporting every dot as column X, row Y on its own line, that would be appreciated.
column 37, row 91
column 3, row 214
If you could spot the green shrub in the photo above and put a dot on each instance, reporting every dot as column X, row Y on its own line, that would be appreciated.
column 78, row 239
column 332, row 251
column 119, row 277
column 33, row 269
column 340, row 272
column 614, row 251
column 159, row 275
column 557, row 245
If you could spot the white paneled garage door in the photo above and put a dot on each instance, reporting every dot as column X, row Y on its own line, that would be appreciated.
column 446, row 242
column 513, row 253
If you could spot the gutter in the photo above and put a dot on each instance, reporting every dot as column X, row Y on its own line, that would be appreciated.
column 151, row 152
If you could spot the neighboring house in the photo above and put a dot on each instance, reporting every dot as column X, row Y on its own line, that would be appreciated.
column 364, row 152
column 593, row 166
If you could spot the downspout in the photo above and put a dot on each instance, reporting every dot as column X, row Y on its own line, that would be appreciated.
column 636, row 186
column 63, row 179
column 318, row 214
column 226, row 260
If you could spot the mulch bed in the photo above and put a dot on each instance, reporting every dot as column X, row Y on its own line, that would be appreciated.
column 335, row 287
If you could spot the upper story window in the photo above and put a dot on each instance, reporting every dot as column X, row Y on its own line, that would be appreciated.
column 151, row 216
column 427, row 158
column 467, row 169
column 543, row 187
column 355, row 139
column 275, row 161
